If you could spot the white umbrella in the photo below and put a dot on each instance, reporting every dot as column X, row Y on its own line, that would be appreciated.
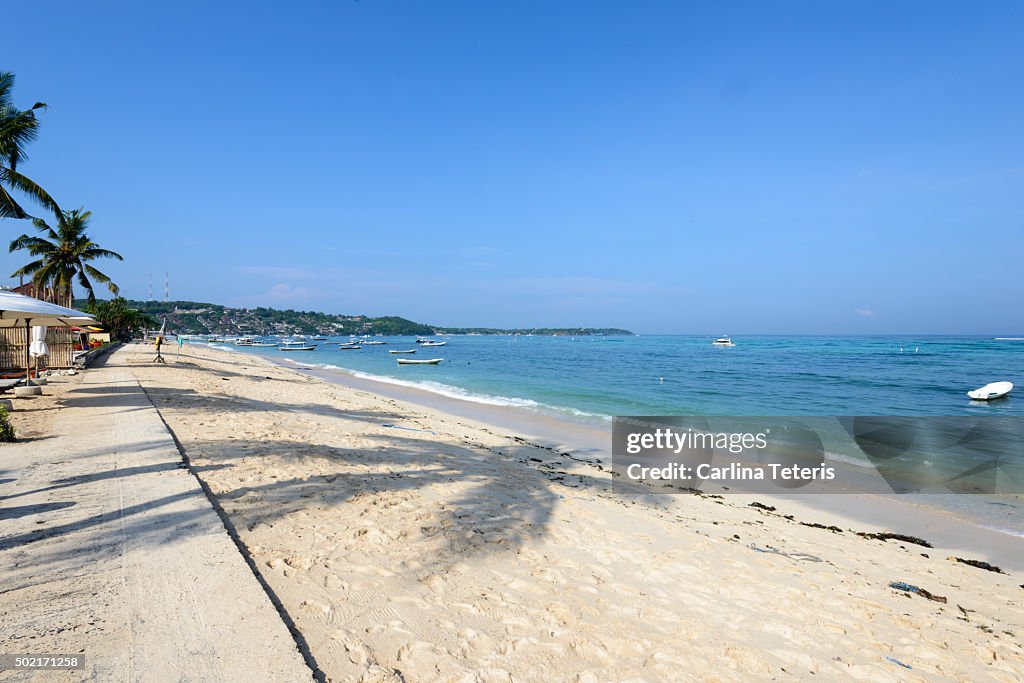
column 38, row 346
column 17, row 310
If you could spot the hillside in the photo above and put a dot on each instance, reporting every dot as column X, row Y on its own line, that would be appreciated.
column 191, row 317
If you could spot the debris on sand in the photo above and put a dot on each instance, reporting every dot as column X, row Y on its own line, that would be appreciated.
column 979, row 564
column 886, row 536
column 910, row 588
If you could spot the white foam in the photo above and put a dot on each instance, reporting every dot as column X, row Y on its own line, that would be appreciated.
column 465, row 395
column 847, row 460
column 322, row 366
column 217, row 347
column 1019, row 533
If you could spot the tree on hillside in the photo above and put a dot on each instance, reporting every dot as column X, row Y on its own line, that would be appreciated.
column 64, row 256
column 17, row 129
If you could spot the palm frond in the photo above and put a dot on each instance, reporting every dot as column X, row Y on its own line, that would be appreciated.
column 23, row 183
column 9, row 208
column 29, row 268
column 91, row 253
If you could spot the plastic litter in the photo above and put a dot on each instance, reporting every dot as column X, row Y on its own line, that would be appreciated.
column 910, row 588
column 896, row 661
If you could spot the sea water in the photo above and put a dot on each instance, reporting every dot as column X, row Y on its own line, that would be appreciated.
column 685, row 375
column 590, row 379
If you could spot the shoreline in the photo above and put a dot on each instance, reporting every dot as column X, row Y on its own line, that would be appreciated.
column 588, row 441
column 401, row 538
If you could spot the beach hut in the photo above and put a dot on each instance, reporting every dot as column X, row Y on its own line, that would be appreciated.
column 22, row 312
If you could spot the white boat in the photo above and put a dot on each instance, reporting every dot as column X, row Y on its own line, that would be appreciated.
column 405, row 351
column 349, row 347
column 262, row 344
column 374, row 343
column 410, row 361
column 991, row 391
column 723, row 341
column 296, row 347
column 433, row 343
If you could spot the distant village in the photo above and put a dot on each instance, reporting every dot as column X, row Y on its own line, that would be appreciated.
column 189, row 317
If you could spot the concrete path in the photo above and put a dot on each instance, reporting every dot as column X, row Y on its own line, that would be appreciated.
column 108, row 547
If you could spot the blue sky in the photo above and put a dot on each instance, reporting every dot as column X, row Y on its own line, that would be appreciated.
column 841, row 167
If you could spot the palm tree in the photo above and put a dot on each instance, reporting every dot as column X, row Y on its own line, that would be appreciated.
column 17, row 129
column 120, row 320
column 64, row 256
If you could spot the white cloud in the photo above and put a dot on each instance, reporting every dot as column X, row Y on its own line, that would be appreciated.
column 865, row 312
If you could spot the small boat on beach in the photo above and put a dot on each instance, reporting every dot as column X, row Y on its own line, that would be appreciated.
column 992, row 391
column 410, row 361
column 723, row 341
column 405, row 351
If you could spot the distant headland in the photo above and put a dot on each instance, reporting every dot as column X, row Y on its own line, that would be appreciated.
column 192, row 317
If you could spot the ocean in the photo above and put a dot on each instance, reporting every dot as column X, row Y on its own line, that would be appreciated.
column 598, row 377
column 588, row 380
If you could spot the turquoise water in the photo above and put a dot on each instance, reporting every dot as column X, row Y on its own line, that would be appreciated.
column 593, row 378
column 672, row 375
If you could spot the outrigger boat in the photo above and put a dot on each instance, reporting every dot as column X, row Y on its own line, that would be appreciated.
column 297, row 347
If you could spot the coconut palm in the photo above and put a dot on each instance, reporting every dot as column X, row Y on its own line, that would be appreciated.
column 120, row 320
column 64, row 256
column 17, row 129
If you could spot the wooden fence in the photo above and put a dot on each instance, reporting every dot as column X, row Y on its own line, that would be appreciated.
column 14, row 339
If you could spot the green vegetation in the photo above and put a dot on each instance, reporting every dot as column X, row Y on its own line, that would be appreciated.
column 64, row 256
column 6, row 428
column 119, row 318
column 190, row 317
column 17, row 129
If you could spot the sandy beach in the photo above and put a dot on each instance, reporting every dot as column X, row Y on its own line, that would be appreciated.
column 409, row 544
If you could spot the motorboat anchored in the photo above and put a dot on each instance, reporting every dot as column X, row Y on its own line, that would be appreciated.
column 723, row 341
column 991, row 391
column 410, row 361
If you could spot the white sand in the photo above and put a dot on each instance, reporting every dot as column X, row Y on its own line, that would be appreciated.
column 463, row 553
